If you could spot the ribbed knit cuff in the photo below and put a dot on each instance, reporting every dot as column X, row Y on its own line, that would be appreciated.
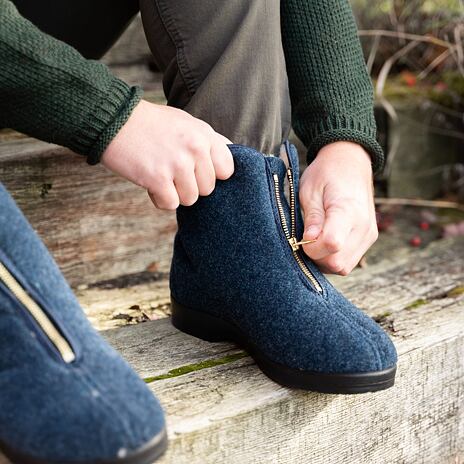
column 337, row 129
column 115, row 125
column 103, row 124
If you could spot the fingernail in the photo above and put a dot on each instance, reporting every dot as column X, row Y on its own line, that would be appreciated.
column 312, row 232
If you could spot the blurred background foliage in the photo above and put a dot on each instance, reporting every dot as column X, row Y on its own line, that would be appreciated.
column 414, row 51
column 421, row 40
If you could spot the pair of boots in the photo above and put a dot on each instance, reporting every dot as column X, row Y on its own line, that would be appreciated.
column 238, row 274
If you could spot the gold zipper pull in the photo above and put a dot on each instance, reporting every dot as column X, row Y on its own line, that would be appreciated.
column 296, row 245
column 290, row 234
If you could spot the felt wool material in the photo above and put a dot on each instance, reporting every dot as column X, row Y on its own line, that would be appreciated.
column 232, row 261
column 94, row 408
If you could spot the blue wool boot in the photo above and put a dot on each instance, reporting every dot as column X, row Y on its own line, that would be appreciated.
column 238, row 273
column 65, row 395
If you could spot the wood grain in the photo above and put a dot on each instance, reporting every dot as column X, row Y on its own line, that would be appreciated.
column 231, row 413
column 97, row 225
column 400, row 279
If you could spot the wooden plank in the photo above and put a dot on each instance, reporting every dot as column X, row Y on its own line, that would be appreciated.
column 406, row 278
column 97, row 225
column 370, row 288
column 113, row 303
column 232, row 413
column 221, row 408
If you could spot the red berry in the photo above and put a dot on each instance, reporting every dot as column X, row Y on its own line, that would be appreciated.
column 381, row 226
column 415, row 241
column 424, row 225
column 383, row 222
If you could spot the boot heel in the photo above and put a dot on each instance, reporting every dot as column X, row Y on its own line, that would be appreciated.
column 199, row 324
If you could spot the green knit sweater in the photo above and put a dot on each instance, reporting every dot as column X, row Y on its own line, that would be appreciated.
column 330, row 89
column 49, row 91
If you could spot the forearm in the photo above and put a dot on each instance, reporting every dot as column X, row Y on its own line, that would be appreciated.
column 49, row 91
column 330, row 89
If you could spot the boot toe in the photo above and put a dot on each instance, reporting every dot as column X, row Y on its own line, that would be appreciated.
column 83, row 415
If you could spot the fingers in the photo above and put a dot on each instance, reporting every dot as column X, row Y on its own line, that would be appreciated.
column 314, row 213
column 337, row 199
column 344, row 261
column 205, row 176
column 314, row 220
column 186, row 185
column 218, row 152
column 192, row 179
column 212, row 164
column 164, row 196
column 153, row 199
column 340, row 243
column 336, row 230
column 221, row 158
column 223, row 139
column 340, row 246
column 331, row 228
column 170, row 153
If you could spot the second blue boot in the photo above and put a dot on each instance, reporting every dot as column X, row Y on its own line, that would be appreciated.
column 66, row 396
column 238, row 274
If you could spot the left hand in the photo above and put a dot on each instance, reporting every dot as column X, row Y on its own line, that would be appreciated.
column 336, row 195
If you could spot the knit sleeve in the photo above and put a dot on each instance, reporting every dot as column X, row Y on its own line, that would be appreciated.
column 330, row 89
column 49, row 91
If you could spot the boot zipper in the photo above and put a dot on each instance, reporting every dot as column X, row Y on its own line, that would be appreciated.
column 290, row 234
column 40, row 317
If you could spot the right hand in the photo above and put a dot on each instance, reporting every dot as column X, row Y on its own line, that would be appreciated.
column 173, row 155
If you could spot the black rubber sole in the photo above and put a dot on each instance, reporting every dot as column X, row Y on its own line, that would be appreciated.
column 213, row 329
column 147, row 454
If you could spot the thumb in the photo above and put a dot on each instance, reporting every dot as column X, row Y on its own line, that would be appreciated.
column 314, row 217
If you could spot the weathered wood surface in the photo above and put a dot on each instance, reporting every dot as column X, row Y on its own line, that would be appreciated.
column 97, row 225
column 220, row 407
column 120, row 302
column 231, row 413
column 124, row 301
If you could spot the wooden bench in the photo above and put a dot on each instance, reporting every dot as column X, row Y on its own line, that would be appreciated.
column 222, row 409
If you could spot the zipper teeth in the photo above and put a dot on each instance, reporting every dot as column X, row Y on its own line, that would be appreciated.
column 307, row 272
column 287, row 233
column 283, row 219
column 38, row 314
column 292, row 201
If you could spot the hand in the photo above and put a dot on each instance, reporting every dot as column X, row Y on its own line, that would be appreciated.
column 336, row 195
column 173, row 155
